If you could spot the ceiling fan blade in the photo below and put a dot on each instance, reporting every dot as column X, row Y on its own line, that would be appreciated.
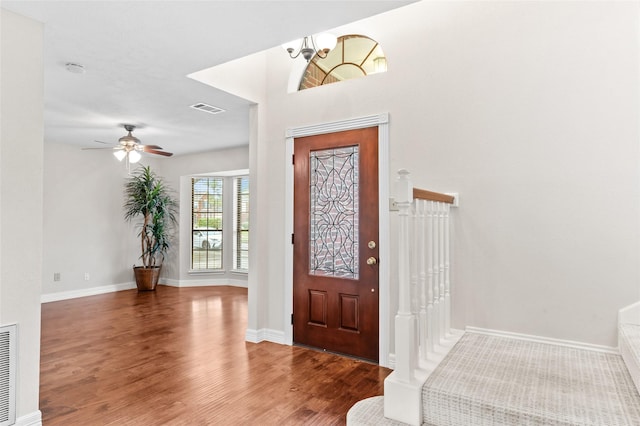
column 153, row 151
column 106, row 143
column 144, row 147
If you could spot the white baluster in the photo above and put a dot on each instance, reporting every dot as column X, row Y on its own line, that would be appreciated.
column 413, row 259
column 447, row 267
column 437, row 315
column 405, row 324
column 430, row 276
column 415, row 290
column 441, row 257
column 422, row 278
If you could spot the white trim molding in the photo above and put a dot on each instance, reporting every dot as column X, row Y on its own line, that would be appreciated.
column 382, row 122
column 93, row 291
column 541, row 339
column 265, row 334
column 630, row 314
column 213, row 282
column 31, row 419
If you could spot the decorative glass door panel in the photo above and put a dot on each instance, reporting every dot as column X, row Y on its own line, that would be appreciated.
column 333, row 233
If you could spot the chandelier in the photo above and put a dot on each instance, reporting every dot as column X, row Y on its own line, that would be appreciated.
column 310, row 46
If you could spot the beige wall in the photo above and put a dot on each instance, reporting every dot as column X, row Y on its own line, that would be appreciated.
column 21, row 199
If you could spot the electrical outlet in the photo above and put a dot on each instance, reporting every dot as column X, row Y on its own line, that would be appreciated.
column 56, row 276
column 86, row 276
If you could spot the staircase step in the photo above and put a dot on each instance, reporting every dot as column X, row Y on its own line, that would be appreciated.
column 629, row 343
column 489, row 380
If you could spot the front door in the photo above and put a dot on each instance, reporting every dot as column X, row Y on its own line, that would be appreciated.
column 335, row 272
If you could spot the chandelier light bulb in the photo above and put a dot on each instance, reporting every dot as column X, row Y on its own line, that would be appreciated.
column 120, row 154
column 325, row 42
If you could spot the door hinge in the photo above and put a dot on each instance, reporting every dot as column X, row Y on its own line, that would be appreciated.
column 292, row 238
column 291, row 319
column 293, row 159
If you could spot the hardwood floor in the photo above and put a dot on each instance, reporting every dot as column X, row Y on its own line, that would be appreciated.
column 177, row 356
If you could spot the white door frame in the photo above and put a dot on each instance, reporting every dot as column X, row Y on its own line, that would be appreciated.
column 382, row 122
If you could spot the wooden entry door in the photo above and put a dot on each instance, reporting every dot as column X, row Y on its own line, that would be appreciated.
column 335, row 272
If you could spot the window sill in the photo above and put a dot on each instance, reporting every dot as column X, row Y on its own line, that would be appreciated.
column 206, row 271
column 240, row 271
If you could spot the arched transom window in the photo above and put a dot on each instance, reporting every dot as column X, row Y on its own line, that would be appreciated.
column 354, row 56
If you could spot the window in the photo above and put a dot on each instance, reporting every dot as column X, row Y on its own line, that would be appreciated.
column 354, row 56
column 207, row 243
column 241, row 224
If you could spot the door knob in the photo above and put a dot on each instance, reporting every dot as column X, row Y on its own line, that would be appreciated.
column 372, row 261
column 371, row 244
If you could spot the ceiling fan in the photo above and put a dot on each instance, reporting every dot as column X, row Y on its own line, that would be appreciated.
column 129, row 147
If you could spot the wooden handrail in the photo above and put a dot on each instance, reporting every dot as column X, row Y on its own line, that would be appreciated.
column 423, row 194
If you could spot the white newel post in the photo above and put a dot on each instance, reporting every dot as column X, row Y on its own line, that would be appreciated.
column 403, row 387
column 405, row 320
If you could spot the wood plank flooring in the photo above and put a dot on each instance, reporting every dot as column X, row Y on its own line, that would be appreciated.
column 177, row 356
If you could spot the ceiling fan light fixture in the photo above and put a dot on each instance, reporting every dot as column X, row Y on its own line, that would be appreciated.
column 134, row 156
column 129, row 139
column 120, row 154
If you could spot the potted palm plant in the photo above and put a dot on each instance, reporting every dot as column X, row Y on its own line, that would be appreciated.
column 150, row 200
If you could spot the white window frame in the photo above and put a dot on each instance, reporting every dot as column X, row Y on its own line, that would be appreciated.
column 222, row 230
column 236, row 225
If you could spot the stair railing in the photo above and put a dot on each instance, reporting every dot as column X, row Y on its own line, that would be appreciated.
column 423, row 332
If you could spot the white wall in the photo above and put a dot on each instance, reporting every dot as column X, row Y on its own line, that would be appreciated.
column 530, row 111
column 84, row 229
column 21, row 135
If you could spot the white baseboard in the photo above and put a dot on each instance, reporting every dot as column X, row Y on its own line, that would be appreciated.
column 204, row 282
column 265, row 334
column 540, row 339
column 32, row 419
column 93, row 291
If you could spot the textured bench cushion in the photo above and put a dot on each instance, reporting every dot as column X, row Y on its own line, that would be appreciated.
column 488, row 380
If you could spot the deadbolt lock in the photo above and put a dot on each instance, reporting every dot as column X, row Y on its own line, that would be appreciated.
column 372, row 244
column 372, row 261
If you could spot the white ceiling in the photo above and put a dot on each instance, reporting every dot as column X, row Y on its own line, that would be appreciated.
column 137, row 55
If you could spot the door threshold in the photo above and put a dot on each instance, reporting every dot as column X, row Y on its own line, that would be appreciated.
column 356, row 358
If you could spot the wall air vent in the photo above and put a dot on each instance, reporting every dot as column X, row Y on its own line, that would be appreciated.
column 207, row 108
column 8, row 374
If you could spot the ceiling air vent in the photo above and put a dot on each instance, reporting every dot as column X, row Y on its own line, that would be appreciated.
column 207, row 108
